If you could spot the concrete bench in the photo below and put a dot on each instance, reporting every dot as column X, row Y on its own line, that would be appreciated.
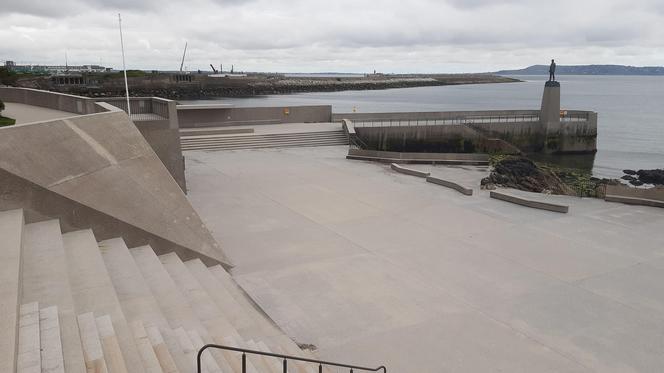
column 450, row 184
column 529, row 202
column 408, row 171
column 634, row 200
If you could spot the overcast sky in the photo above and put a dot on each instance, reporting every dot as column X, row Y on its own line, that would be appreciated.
column 334, row 35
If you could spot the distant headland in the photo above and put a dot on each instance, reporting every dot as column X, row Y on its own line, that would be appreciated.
column 586, row 70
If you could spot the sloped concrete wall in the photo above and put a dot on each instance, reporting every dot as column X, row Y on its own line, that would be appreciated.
column 102, row 162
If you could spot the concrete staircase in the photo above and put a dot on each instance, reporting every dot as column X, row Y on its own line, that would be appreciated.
column 258, row 141
column 72, row 304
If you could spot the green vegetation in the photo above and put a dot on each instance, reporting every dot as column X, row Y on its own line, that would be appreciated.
column 3, row 120
column 7, row 77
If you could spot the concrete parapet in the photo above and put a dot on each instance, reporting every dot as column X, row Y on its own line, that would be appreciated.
column 426, row 158
column 409, row 171
column 190, row 116
column 529, row 202
column 51, row 100
column 450, row 184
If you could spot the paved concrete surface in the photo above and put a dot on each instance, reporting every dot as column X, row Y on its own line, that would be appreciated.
column 27, row 113
column 270, row 129
column 377, row 267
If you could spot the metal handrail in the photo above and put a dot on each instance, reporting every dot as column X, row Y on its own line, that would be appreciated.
column 285, row 358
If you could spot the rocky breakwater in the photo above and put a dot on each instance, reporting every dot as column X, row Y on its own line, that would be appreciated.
column 644, row 177
column 523, row 174
column 203, row 87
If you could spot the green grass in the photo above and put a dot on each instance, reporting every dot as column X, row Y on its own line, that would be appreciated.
column 4, row 121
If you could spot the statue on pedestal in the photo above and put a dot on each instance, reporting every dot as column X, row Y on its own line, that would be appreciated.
column 552, row 71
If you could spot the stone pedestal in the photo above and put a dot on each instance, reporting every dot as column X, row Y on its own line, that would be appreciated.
column 550, row 115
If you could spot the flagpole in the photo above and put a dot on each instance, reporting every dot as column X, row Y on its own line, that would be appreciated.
column 124, row 69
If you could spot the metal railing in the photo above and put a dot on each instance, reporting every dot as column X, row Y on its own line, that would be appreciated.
column 284, row 358
column 447, row 121
column 146, row 108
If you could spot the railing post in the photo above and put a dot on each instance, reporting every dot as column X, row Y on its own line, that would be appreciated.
column 320, row 368
column 244, row 363
column 285, row 366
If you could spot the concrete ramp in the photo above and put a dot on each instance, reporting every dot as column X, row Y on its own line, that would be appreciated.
column 103, row 163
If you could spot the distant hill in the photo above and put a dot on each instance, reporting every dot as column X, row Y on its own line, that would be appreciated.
column 586, row 70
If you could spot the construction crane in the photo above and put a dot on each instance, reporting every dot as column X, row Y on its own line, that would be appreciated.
column 183, row 54
column 213, row 69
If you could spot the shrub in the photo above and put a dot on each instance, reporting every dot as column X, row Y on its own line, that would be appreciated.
column 2, row 106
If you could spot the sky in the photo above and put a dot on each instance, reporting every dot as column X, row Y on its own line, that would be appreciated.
column 390, row 36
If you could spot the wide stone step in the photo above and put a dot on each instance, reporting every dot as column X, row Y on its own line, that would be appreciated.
column 269, row 136
column 265, row 146
column 264, row 141
column 50, row 341
column 94, row 353
column 240, row 317
column 242, row 139
column 257, row 143
column 205, row 308
column 45, row 279
column 111, row 346
column 29, row 345
column 138, row 303
column 11, row 231
column 173, row 304
column 145, row 350
column 93, row 291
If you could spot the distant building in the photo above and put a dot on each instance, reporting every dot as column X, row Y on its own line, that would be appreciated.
column 56, row 69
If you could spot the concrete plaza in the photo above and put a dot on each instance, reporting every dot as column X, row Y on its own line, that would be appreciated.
column 28, row 113
column 375, row 267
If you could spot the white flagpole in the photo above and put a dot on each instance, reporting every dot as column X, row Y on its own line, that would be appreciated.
column 124, row 69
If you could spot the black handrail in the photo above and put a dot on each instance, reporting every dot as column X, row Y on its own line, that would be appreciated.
column 245, row 351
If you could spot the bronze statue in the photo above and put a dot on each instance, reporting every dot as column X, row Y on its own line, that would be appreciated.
column 552, row 71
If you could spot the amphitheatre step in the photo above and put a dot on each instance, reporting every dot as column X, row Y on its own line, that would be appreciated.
column 44, row 279
column 11, row 231
column 238, row 316
column 29, row 345
column 265, row 146
column 93, row 291
column 266, row 363
column 268, row 142
column 172, row 302
column 94, row 354
column 268, row 135
column 265, row 141
column 111, row 347
column 138, row 302
column 161, row 350
column 204, row 307
column 214, row 131
column 50, row 341
column 250, row 139
column 144, row 347
column 210, row 363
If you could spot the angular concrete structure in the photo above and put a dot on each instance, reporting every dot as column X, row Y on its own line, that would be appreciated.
column 97, row 171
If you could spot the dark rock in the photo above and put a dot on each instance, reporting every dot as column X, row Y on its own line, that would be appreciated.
column 636, row 182
column 522, row 173
column 628, row 178
column 629, row 172
column 655, row 177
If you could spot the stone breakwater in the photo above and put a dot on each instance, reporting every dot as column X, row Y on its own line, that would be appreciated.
column 287, row 86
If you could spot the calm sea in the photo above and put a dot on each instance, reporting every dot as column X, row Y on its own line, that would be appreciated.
column 631, row 111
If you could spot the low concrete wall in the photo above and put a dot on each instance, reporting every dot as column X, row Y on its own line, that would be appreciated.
column 408, row 171
column 529, row 202
column 51, row 100
column 428, row 158
column 635, row 196
column 192, row 117
column 450, row 184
